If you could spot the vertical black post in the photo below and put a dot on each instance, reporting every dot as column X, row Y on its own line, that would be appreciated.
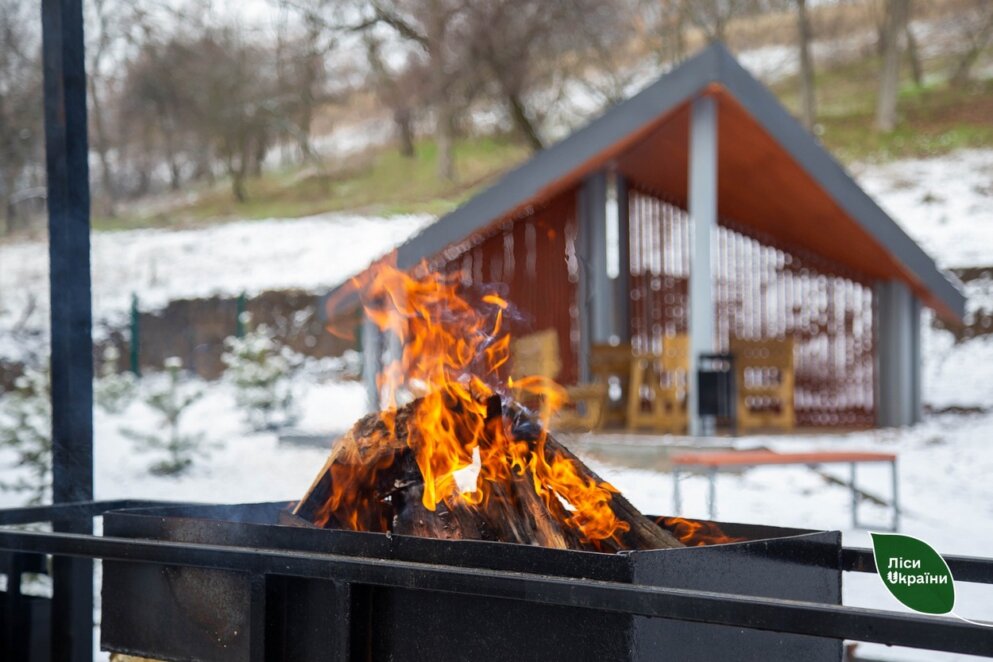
column 72, row 346
column 241, row 306
column 135, row 353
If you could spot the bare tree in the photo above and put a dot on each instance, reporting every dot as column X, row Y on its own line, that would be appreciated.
column 713, row 16
column 398, row 91
column 808, row 100
column 603, row 31
column 154, row 86
column 104, row 33
column 914, row 56
column 215, row 98
column 431, row 26
column 21, row 133
column 897, row 13
column 301, row 57
column 510, row 39
column 664, row 25
column 236, row 103
column 977, row 32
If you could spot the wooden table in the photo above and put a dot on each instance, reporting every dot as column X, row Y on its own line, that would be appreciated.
column 712, row 462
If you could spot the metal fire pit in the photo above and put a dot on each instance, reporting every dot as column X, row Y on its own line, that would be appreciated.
column 181, row 613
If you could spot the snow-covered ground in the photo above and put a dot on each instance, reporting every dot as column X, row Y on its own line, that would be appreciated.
column 945, row 493
column 159, row 266
column 945, row 204
column 945, row 463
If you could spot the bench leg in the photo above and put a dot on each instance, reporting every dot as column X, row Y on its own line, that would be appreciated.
column 712, row 494
column 677, row 499
column 896, row 497
column 855, row 497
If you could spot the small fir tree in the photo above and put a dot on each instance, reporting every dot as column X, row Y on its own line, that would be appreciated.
column 171, row 397
column 113, row 390
column 261, row 371
column 26, row 432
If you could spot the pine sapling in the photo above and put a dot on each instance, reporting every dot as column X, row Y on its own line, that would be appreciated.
column 170, row 399
column 26, row 432
column 113, row 390
column 261, row 371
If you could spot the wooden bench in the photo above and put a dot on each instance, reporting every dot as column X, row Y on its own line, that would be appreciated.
column 657, row 394
column 712, row 462
column 538, row 355
column 764, row 382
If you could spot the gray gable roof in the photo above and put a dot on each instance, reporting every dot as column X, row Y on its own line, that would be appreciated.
column 715, row 64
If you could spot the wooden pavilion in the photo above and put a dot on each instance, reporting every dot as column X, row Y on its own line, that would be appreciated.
column 700, row 210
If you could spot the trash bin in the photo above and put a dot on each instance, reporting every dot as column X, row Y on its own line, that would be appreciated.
column 716, row 384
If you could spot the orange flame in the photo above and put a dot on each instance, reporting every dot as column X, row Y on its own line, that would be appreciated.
column 695, row 533
column 452, row 355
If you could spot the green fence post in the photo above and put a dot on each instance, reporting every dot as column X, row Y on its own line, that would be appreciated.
column 135, row 336
column 242, row 304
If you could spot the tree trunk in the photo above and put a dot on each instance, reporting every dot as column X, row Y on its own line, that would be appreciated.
column 680, row 36
column 238, row 185
column 202, row 169
column 960, row 76
column 102, row 146
column 144, row 180
column 445, row 140
column 313, row 74
column 10, row 215
column 405, row 131
column 808, row 99
column 168, row 132
column 889, row 80
column 303, row 135
column 237, row 172
column 259, row 154
column 915, row 58
column 523, row 123
column 175, row 174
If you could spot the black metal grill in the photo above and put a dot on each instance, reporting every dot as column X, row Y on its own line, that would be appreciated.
column 191, row 613
column 225, row 582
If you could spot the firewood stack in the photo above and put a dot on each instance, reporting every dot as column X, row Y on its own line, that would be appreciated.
column 372, row 482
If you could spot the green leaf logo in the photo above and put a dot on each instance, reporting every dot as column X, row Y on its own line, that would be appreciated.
column 914, row 573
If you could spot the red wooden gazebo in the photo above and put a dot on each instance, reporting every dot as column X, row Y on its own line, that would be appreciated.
column 701, row 207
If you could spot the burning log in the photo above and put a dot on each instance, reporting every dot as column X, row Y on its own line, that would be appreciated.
column 372, row 468
column 644, row 533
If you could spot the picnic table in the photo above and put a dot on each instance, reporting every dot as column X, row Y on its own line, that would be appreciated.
column 712, row 462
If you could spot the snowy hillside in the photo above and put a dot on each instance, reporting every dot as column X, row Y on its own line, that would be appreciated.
column 163, row 265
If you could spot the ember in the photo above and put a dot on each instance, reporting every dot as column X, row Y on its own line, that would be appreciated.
column 452, row 414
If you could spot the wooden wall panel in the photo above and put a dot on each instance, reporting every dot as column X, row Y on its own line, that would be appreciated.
column 762, row 289
column 531, row 259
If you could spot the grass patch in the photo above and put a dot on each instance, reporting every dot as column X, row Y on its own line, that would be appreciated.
column 378, row 182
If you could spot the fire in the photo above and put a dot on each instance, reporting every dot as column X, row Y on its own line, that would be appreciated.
column 455, row 349
column 695, row 533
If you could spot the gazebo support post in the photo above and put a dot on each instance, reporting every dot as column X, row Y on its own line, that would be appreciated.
column 703, row 214
column 603, row 294
column 622, row 282
column 591, row 252
column 898, row 347
column 66, row 155
column 372, row 360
